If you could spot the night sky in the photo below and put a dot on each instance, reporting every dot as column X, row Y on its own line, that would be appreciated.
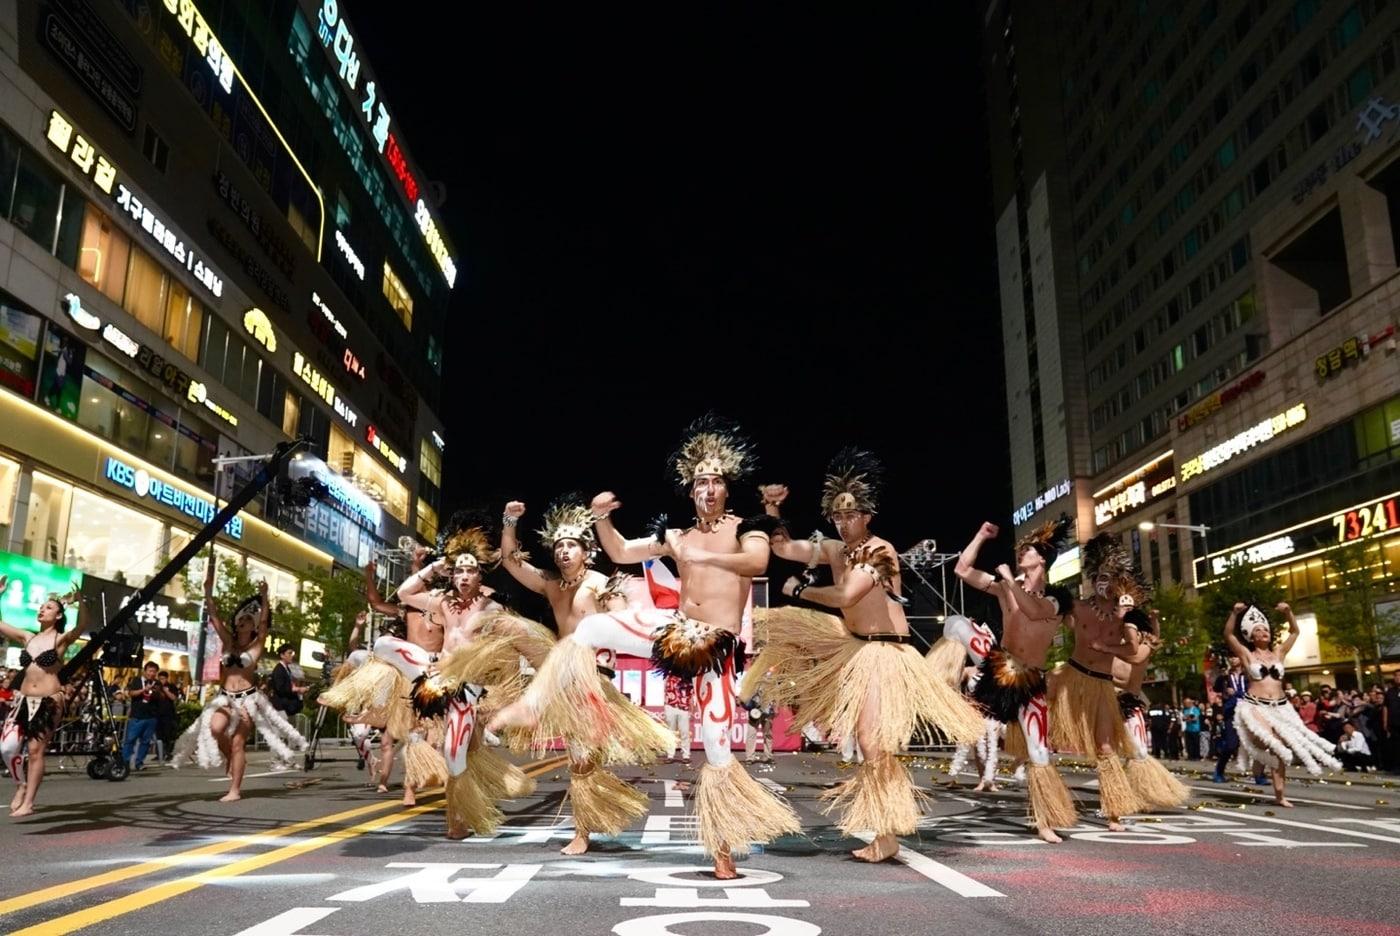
column 778, row 212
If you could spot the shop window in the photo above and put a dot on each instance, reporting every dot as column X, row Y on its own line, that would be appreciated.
column 37, row 194
column 103, row 254
column 344, row 456
column 113, row 542
column 281, row 584
column 46, row 518
column 146, row 291
column 19, row 348
column 399, row 299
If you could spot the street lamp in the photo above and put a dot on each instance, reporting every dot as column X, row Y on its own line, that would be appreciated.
column 1148, row 526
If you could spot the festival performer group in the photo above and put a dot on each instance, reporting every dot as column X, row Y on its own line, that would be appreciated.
column 452, row 664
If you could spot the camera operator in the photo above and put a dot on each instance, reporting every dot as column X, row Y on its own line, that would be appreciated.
column 145, row 695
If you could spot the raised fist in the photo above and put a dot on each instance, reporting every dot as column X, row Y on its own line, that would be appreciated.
column 515, row 509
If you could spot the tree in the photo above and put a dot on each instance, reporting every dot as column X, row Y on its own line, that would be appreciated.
column 1350, row 618
column 1186, row 635
column 1240, row 581
column 329, row 603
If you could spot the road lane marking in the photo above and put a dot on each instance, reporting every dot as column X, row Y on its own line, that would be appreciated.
column 939, row 873
column 247, row 864
column 1275, row 820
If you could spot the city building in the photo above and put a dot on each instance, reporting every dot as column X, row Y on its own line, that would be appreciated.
column 1192, row 198
column 213, row 238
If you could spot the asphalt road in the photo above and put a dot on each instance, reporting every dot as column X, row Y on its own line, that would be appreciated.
column 157, row 855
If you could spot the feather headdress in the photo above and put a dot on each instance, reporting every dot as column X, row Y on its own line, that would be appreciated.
column 1047, row 539
column 712, row 445
column 853, row 481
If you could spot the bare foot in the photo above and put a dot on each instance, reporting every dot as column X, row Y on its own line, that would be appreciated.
column 409, row 799
column 232, row 796
column 724, row 867
column 515, row 715
column 1280, row 801
column 1048, row 835
column 1115, row 826
column 577, row 847
column 952, row 784
column 382, row 788
column 986, row 786
column 982, row 785
column 22, row 812
column 883, row 848
column 19, row 798
column 456, row 834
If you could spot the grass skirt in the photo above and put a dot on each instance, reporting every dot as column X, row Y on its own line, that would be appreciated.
column 603, row 802
column 881, row 797
column 820, row 667
column 734, row 810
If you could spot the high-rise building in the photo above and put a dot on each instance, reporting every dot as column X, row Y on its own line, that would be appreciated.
column 213, row 238
column 1139, row 150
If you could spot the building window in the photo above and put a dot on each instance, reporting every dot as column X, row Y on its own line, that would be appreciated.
column 38, row 192
column 1226, row 153
column 429, row 463
column 46, row 519
column 344, row 456
column 1349, row 27
column 184, row 319
column 1359, row 86
column 291, row 414
column 427, row 521
column 435, row 355
column 300, row 226
column 111, row 541
column 399, row 299
column 103, row 254
column 146, row 291
column 156, row 150
column 9, row 489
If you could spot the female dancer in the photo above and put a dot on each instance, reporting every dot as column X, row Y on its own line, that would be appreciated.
column 38, row 709
column 1270, row 731
column 219, row 737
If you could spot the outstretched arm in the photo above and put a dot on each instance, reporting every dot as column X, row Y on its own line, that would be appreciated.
column 619, row 549
column 211, row 609
column 1231, row 640
column 9, row 632
column 65, row 639
column 512, row 556
column 373, row 596
column 1292, row 637
column 1055, row 602
column 966, row 566
column 809, row 552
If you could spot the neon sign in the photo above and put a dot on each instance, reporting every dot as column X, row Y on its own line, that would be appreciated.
column 375, row 439
column 83, row 155
column 322, row 387
column 140, row 482
column 1244, row 441
column 165, row 237
column 257, row 324
column 351, row 257
column 199, row 32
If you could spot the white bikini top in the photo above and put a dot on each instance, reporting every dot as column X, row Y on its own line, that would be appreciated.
column 1258, row 671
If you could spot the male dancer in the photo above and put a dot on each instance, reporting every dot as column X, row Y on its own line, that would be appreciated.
column 1087, row 717
column 1011, row 687
column 1153, row 784
column 476, row 778
column 601, row 801
column 866, row 677
column 717, row 558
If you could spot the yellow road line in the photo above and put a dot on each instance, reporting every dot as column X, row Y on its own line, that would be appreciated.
column 74, row 921
column 160, row 864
